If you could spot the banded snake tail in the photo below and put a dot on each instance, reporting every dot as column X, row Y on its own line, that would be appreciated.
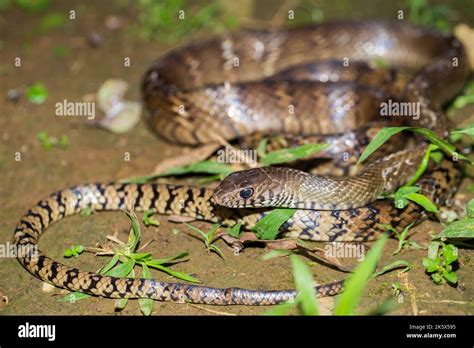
column 195, row 95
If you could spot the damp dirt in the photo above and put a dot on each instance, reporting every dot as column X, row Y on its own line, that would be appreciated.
column 94, row 155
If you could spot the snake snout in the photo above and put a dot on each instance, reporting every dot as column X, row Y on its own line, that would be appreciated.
column 237, row 190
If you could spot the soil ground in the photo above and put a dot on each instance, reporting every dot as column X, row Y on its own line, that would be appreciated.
column 96, row 155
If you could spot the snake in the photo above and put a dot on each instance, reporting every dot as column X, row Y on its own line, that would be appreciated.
column 240, row 84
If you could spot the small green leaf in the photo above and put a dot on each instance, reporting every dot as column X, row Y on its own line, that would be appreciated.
column 469, row 130
column 122, row 303
column 46, row 141
column 292, row 154
column 446, row 147
column 261, row 148
column 470, row 208
column 433, row 247
column 424, row 201
column 74, row 296
column 113, row 261
column 304, row 284
column 401, row 202
column 406, row 190
column 74, row 250
column 37, row 93
column 268, row 227
column 450, row 277
column 382, row 136
column 430, row 265
column 87, row 211
column 466, row 98
column 450, row 253
column 392, row 266
column 459, row 229
column 234, row 231
column 148, row 220
column 386, row 133
column 437, row 278
column 146, row 304
column 122, row 270
column 437, row 156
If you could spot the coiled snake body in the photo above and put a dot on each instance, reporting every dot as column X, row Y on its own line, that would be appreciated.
column 235, row 86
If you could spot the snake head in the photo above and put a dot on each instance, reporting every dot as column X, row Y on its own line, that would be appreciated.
column 251, row 188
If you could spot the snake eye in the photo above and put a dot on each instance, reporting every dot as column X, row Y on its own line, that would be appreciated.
column 246, row 193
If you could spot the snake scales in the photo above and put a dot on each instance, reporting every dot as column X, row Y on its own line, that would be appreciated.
column 199, row 93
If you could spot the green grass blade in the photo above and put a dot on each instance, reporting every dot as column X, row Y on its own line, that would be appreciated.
column 446, row 147
column 262, row 147
column 358, row 280
column 217, row 250
column 304, row 284
column 206, row 167
column 179, row 275
column 113, row 261
column 382, row 136
column 392, row 266
column 122, row 270
column 140, row 256
column 469, row 130
column 195, row 229
column 134, row 236
column 268, row 227
column 143, row 179
column 423, row 165
column 168, row 260
column 292, row 154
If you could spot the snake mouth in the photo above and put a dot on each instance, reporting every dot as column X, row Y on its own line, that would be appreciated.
column 220, row 197
column 216, row 198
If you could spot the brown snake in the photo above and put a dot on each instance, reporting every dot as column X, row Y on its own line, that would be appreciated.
column 235, row 86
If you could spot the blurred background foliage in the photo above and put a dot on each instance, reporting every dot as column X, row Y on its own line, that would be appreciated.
column 162, row 20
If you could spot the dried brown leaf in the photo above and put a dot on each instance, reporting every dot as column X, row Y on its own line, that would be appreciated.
column 195, row 155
